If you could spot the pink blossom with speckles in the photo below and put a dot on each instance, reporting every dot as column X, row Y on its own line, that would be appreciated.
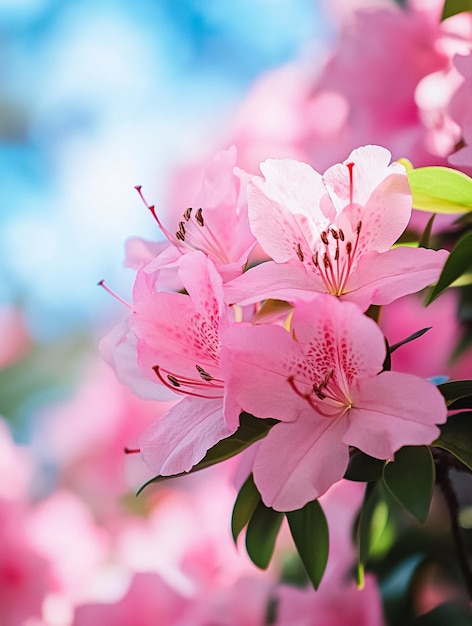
column 178, row 346
column 325, row 385
column 333, row 233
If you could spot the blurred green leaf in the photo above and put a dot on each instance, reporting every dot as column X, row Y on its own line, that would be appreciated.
column 309, row 530
column 363, row 468
column 246, row 502
column 425, row 238
column 456, row 437
column 453, row 7
column 410, row 478
column 440, row 189
column 261, row 534
column 250, row 430
column 457, row 263
column 455, row 390
column 364, row 530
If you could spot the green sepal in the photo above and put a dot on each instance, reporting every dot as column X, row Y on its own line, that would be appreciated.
column 457, row 263
column 246, row 502
column 261, row 534
column 410, row 478
column 455, row 390
column 250, row 430
column 456, row 437
column 309, row 530
column 363, row 468
column 439, row 189
column 453, row 7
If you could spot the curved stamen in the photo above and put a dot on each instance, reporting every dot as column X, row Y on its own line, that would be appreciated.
column 323, row 393
column 190, row 386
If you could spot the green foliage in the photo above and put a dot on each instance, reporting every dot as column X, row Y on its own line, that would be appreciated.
column 453, row 7
column 455, row 390
column 250, row 430
column 309, row 530
column 458, row 262
column 410, row 479
column 440, row 189
column 412, row 337
column 246, row 502
column 456, row 436
column 363, row 468
column 261, row 534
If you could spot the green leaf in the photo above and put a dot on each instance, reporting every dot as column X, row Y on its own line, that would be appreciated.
column 250, row 430
column 455, row 390
column 412, row 337
column 453, row 7
column 440, row 189
column 246, row 502
column 364, row 531
column 410, row 479
column 457, row 263
column 363, row 468
column 456, row 437
column 309, row 530
column 261, row 534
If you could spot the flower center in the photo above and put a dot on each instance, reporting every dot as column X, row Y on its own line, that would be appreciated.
column 193, row 233
column 334, row 254
column 327, row 397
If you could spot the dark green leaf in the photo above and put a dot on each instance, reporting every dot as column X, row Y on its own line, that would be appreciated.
column 250, row 430
column 453, row 7
column 363, row 468
column 261, row 534
column 412, row 337
column 456, row 437
column 458, row 262
column 246, row 502
column 310, row 534
column 410, row 478
column 455, row 390
column 387, row 364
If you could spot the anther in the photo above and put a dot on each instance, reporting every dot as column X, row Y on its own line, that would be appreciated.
column 173, row 380
column 199, row 217
column 314, row 258
column 326, row 261
column 179, row 236
column 324, row 238
column 131, row 450
column 187, row 214
column 348, row 247
column 334, row 233
column 341, row 235
column 299, row 252
column 336, row 254
column 203, row 374
column 359, row 226
column 182, row 228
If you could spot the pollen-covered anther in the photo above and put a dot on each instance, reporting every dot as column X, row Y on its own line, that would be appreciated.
column 324, row 238
column 187, row 214
column 173, row 380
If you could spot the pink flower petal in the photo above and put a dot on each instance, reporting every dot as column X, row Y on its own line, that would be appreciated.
column 177, row 441
column 394, row 410
column 297, row 462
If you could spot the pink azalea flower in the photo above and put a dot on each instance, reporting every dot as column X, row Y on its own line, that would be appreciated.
column 333, row 233
column 460, row 111
column 327, row 392
column 217, row 225
column 179, row 347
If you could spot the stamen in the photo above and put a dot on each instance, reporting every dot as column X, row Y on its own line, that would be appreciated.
column 314, row 258
column 203, row 374
column 341, row 235
column 324, row 238
column 187, row 214
column 101, row 283
column 173, row 380
column 205, row 387
column 152, row 208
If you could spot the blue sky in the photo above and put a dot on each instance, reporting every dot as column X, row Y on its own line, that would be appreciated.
column 97, row 97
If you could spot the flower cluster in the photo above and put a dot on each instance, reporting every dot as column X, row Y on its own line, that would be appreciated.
column 267, row 317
